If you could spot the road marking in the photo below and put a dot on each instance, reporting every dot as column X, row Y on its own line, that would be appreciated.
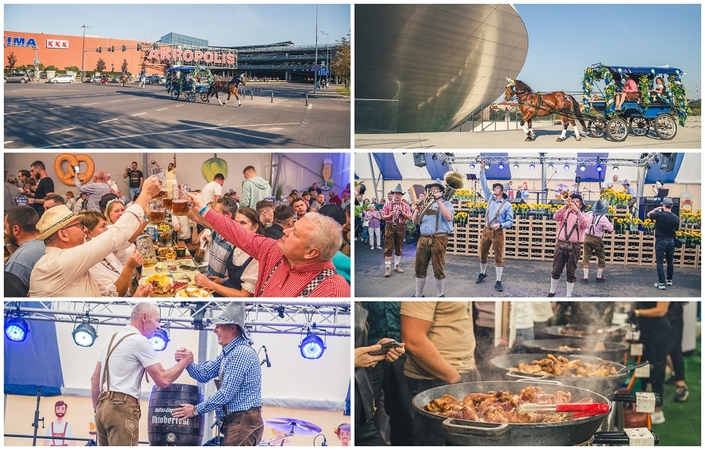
column 8, row 142
column 18, row 112
column 162, row 109
column 61, row 131
column 89, row 104
column 59, row 107
column 138, row 114
column 114, row 101
column 179, row 106
column 109, row 120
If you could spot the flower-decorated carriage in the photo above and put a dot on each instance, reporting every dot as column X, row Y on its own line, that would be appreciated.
column 640, row 111
column 191, row 81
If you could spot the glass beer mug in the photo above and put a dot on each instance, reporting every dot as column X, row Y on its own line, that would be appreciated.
column 145, row 245
column 160, row 173
column 155, row 211
column 180, row 200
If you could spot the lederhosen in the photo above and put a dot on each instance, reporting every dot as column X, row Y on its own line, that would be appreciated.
column 394, row 234
column 431, row 247
column 495, row 238
column 55, row 435
column 566, row 253
column 593, row 244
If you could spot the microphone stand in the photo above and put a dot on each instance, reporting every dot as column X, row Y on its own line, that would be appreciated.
column 545, row 185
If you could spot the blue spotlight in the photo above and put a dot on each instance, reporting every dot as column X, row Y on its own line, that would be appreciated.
column 532, row 166
column 515, row 166
column 599, row 168
column 16, row 329
column 84, row 335
column 160, row 340
column 550, row 166
column 312, row 346
column 582, row 167
column 472, row 166
column 501, row 165
column 566, row 167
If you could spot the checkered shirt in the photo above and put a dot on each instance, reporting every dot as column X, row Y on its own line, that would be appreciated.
column 219, row 250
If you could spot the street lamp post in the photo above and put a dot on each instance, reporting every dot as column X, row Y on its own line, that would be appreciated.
column 83, row 53
column 327, row 68
column 315, row 64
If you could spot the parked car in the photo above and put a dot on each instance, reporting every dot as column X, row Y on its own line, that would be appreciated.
column 65, row 78
column 19, row 77
column 95, row 79
column 155, row 79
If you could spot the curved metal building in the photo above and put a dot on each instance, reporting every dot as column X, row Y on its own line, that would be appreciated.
column 421, row 68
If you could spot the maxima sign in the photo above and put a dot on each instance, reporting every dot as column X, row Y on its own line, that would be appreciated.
column 19, row 42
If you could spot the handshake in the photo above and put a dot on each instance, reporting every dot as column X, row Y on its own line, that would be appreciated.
column 182, row 353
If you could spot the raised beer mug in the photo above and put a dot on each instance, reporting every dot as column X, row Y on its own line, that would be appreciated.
column 160, row 173
column 156, row 212
column 145, row 245
column 180, row 200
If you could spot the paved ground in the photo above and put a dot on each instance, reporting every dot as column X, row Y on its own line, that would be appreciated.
column 686, row 137
column 521, row 279
column 86, row 115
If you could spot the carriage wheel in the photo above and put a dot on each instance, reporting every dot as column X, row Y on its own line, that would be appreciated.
column 617, row 129
column 204, row 96
column 190, row 96
column 665, row 127
column 596, row 128
column 174, row 94
column 639, row 126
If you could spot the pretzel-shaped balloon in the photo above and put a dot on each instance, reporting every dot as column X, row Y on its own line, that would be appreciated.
column 67, row 177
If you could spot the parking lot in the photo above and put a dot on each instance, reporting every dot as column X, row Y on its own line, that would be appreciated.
column 88, row 115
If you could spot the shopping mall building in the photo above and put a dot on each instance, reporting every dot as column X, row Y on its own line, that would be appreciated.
column 283, row 61
column 421, row 68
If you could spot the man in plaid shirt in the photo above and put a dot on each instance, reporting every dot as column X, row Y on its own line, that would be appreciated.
column 238, row 401
column 297, row 265
column 219, row 249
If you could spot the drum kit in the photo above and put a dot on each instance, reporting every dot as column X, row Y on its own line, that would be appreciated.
column 289, row 426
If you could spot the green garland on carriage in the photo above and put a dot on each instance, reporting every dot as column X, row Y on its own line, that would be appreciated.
column 675, row 95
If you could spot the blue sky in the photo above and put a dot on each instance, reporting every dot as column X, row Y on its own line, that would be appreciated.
column 221, row 25
column 565, row 39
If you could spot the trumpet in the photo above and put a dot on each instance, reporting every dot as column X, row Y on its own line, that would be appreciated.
column 453, row 181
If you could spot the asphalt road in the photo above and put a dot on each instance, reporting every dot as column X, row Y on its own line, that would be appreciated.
column 86, row 115
column 521, row 278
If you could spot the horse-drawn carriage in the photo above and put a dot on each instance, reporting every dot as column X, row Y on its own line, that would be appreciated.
column 649, row 106
column 191, row 81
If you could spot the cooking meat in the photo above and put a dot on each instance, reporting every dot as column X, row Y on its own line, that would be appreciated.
column 562, row 367
column 501, row 406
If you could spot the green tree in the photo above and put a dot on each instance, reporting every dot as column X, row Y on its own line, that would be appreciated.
column 340, row 65
column 11, row 61
column 52, row 67
column 74, row 69
column 124, row 65
column 100, row 66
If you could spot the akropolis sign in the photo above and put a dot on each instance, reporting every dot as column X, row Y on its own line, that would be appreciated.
column 192, row 56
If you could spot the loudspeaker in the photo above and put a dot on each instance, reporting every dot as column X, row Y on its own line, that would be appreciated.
column 646, row 205
column 420, row 159
column 668, row 162
column 556, row 202
column 517, row 201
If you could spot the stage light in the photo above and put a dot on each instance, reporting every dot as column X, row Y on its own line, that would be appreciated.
column 312, row 346
column 599, row 168
column 550, row 166
column 16, row 329
column 160, row 340
column 84, row 335
column 501, row 166
column 472, row 166
column 515, row 166
column 615, row 168
column 532, row 166
column 434, row 157
column 566, row 167
column 582, row 167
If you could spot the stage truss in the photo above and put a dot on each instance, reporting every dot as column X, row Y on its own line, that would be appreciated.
column 289, row 317
column 644, row 160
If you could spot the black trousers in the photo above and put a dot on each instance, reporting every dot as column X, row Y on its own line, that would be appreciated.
column 676, row 348
column 388, row 380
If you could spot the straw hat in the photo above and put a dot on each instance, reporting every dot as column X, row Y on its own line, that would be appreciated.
column 54, row 219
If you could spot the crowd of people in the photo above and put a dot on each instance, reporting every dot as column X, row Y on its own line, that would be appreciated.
column 85, row 246
column 446, row 342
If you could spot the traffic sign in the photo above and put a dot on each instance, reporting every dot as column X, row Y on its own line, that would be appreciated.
column 315, row 67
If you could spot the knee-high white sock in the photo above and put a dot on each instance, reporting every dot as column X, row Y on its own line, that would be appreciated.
column 586, row 270
column 554, row 286
column 483, row 267
column 440, row 287
column 388, row 263
column 569, row 289
column 599, row 272
column 499, row 271
column 420, row 283
column 397, row 259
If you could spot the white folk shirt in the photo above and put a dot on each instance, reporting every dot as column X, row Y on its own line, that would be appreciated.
column 211, row 190
column 64, row 272
column 127, row 362
column 59, row 430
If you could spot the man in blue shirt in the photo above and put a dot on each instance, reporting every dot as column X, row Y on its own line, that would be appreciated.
column 436, row 225
column 238, row 401
column 20, row 228
column 499, row 215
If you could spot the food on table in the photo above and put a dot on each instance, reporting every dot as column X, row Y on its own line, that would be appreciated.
column 193, row 292
column 562, row 367
column 568, row 348
column 161, row 283
column 501, row 406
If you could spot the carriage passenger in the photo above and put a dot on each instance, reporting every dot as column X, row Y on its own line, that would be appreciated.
column 627, row 87
column 659, row 89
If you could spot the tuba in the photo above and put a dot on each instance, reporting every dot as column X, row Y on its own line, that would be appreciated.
column 453, row 181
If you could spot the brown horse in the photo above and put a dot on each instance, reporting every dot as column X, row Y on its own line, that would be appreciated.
column 225, row 86
column 544, row 104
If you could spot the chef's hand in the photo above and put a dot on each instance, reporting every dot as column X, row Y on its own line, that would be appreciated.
column 184, row 412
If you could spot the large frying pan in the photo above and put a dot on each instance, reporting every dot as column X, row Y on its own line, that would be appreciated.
column 603, row 385
column 585, row 332
column 614, row 351
column 466, row 432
